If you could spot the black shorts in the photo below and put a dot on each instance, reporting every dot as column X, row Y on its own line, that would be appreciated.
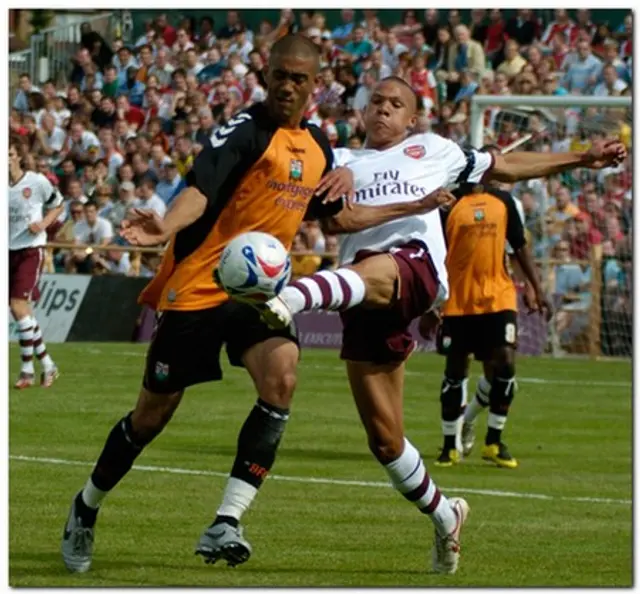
column 186, row 345
column 477, row 335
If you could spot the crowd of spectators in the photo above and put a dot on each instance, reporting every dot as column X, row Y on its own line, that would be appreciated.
column 125, row 129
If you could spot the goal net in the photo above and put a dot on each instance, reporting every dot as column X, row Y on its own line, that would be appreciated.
column 578, row 224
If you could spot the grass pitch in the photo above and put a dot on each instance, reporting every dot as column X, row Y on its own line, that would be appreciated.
column 326, row 517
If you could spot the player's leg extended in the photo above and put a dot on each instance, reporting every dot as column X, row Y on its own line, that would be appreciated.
column 272, row 366
column 503, row 385
column 479, row 402
column 452, row 399
column 378, row 393
column 372, row 281
column 125, row 442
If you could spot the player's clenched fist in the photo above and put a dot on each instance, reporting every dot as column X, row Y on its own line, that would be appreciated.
column 439, row 198
column 605, row 153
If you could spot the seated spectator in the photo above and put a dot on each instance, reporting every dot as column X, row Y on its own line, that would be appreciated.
column 424, row 82
column 513, row 61
column 148, row 199
column 611, row 85
column 125, row 202
column 102, row 198
column 93, row 230
column 468, row 85
column 522, row 27
column 302, row 263
column 392, row 51
column 557, row 215
column 112, row 262
column 584, row 71
column 465, row 54
column 169, row 183
column 330, row 91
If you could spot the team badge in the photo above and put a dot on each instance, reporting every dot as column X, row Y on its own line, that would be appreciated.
column 478, row 215
column 26, row 193
column 415, row 151
column 161, row 371
column 295, row 170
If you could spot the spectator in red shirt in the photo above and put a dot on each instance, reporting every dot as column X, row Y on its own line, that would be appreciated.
column 563, row 24
column 132, row 114
column 582, row 235
column 167, row 32
column 583, row 21
column 494, row 44
column 559, row 49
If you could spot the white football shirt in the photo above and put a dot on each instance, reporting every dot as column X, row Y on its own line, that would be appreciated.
column 520, row 210
column 28, row 199
column 407, row 172
column 100, row 232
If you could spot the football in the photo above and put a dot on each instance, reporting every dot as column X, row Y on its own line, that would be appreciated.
column 254, row 267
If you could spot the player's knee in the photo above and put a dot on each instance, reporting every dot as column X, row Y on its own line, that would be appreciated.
column 19, row 308
column 278, row 388
column 379, row 274
column 151, row 415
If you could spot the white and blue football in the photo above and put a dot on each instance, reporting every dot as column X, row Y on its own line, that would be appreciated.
column 254, row 267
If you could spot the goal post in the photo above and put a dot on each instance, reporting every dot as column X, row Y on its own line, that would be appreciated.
column 594, row 318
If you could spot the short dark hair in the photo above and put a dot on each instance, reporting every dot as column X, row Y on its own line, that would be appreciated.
column 90, row 204
column 418, row 98
column 296, row 45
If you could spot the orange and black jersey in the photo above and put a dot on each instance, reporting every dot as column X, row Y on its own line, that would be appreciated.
column 476, row 230
column 256, row 176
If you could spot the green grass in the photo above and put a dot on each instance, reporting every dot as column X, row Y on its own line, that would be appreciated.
column 571, row 432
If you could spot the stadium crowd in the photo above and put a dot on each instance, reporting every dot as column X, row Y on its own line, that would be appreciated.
column 126, row 128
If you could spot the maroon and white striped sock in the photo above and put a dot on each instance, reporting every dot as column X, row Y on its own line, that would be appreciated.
column 336, row 290
column 40, row 348
column 409, row 476
column 25, row 336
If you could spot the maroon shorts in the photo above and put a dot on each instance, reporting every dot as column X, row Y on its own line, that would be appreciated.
column 382, row 335
column 25, row 267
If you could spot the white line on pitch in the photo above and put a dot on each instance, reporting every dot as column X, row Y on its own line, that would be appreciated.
column 328, row 481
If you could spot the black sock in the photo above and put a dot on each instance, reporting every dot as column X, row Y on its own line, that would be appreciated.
column 87, row 514
column 451, row 396
column 258, row 441
column 493, row 436
column 226, row 520
column 118, row 455
column 449, row 442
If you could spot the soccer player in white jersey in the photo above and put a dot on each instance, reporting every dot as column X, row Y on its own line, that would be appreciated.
column 34, row 204
column 393, row 273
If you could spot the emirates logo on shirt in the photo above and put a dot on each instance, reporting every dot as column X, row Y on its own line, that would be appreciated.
column 415, row 151
column 26, row 193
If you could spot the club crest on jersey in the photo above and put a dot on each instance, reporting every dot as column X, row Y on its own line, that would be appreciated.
column 26, row 193
column 295, row 170
column 478, row 215
column 415, row 151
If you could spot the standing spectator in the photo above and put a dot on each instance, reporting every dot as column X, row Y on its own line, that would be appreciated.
column 584, row 72
column 478, row 25
column 562, row 24
column 495, row 37
column 431, row 25
column 522, row 27
column 148, row 199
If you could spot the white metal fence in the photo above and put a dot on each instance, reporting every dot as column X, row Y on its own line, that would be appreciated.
column 51, row 50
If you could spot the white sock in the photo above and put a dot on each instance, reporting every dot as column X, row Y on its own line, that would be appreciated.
column 463, row 408
column 479, row 402
column 409, row 476
column 92, row 496
column 237, row 498
column 25, row 336
column 40, row 348
column 341, row 290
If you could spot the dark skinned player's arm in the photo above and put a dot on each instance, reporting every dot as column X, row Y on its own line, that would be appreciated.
column 359, row 218
column 517, row 240
column 210, row 172
column 523, row 165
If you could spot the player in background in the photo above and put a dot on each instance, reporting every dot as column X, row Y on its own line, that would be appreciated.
column 398, row 272
column 262, row 172
column 480, row 316
column 34, row 205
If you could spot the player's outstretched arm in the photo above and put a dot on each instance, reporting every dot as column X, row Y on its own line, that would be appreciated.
column 359, row 217
column 522, row 165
